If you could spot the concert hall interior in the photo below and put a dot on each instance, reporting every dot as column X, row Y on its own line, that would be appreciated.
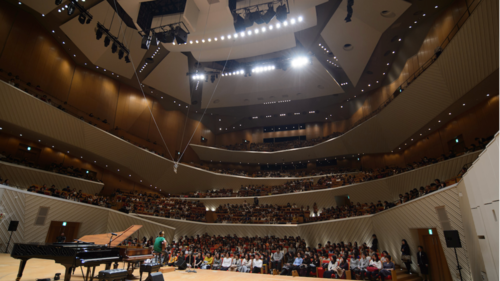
column 217, row 139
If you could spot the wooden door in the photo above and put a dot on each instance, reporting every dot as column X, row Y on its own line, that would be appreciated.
column 438, row 268
column 70, row 230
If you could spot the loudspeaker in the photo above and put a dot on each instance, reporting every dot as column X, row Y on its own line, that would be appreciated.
column 13, row 225
column 452, row 239
column 157, row 276
column 182, row 265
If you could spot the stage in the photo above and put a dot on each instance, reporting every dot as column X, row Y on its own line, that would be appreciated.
column 39, row 269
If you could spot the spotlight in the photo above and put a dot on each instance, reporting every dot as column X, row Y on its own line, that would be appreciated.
column 120, row 54
column 154, row 41
column 239, row 23
column 166, row 36
column 256, row 17
column 180, row 35
column 89, row 20
column 107, row 40
column 212, row 78
column 98, row 33
column 71, row 8
column 114, row 48
column 269, row 15
column 82, row 18
column 127, row 60
column 58, row 2
column 248, row 19
column 145, row 42
column 299, row 62
column 281, row 13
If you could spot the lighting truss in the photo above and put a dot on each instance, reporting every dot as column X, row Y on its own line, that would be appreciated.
column 258, row 13
column 120, row 45
column 168, row 32
column 83, row 12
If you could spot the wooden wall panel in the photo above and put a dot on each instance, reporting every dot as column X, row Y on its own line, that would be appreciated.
column 7, row 17
column 36, row 57
column 94, row 93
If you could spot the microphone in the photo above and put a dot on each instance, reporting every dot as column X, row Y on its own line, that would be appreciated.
column 113, row 234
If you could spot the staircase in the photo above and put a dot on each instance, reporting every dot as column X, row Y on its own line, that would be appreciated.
column 403, row 276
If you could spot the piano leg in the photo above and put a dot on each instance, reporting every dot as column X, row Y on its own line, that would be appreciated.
column 21, row 269
column 67, row 273
column 93, row 272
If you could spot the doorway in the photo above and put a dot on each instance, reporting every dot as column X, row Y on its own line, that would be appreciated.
column 343, row 200
column 70, row 230
column 438, row 268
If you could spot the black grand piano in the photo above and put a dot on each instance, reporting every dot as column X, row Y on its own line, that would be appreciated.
column 89, row 252
column 71, row 255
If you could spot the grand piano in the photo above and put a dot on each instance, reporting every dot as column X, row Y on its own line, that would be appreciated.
column 90, row 251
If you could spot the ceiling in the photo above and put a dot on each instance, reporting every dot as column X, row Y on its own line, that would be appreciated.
column 317, row 87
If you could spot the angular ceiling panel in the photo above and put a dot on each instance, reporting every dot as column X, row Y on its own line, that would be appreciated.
column 276, row 85
column 362, row 33
column 169, row 76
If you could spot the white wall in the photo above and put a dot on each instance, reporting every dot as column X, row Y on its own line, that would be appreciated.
column 24, row 206
column 482, row 189
column 23, row 177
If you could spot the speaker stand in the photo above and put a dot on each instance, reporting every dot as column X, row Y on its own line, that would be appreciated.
column 458, row 265
column 7, row 247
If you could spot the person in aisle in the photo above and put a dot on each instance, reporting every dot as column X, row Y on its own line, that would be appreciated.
column 406, row 255
column 423, row 263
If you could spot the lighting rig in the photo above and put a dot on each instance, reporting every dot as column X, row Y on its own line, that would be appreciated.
column 284, row 64
column 260, row 13
column 100, row 31
column 205, row 75
column 168, row 33
column 84, row 17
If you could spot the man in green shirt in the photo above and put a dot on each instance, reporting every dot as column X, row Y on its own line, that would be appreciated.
column 158, row 244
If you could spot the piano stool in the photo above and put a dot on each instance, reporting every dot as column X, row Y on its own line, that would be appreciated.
column 113, row 274
column 149, row 268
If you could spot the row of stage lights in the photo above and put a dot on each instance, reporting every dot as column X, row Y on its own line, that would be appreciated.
column 246, row 33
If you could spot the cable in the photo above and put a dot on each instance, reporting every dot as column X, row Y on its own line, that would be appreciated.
column 210, row 100
column 144, row 95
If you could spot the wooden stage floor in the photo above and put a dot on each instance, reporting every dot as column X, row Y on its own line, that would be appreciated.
column 38, row 269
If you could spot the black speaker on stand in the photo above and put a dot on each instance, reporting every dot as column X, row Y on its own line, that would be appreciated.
column 452, row 238
column 12, row 227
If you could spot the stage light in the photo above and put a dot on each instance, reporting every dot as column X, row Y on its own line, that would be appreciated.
column 248, row 20
column 58, row 2
column 71, row 8
column 256, row 17
column 120, row 54
column 281, row 13
column 89, row 20
column 98, row 33
column 269, row 14
column 239, row 22
column 127, row 60
column 107, row 40
column 114, row 48
column 145, row 42
column 180, row 35
column 154, row 41
column 82, row 18
column 299, row 62
column 166, row 37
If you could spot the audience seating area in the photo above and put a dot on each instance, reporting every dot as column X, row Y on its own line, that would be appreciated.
column 272, row 255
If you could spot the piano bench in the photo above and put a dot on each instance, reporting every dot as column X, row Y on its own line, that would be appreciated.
column 113, row 274
column 149, row 268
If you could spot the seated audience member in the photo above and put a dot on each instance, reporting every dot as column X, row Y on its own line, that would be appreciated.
column 276, row 259
column 236, row 263
column 216, row 265
column 246, row 264
column 364, row 262
column 190, row 260
column 387, row 266
column 172, row 260
column 332, row 268
column 315, row 263
column 207, row 262
column 355, row 266
column 257, row 264
column 288, row 263
column 297, row 263
column 198, row 261
column 226, row 263
column 374, row 267
column 343, row 265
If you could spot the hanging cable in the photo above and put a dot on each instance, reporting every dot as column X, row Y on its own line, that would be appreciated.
column 149, row 108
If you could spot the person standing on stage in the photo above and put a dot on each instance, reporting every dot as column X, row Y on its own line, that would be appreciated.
column 160, row 242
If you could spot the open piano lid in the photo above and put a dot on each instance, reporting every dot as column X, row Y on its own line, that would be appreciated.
column 103, row 239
